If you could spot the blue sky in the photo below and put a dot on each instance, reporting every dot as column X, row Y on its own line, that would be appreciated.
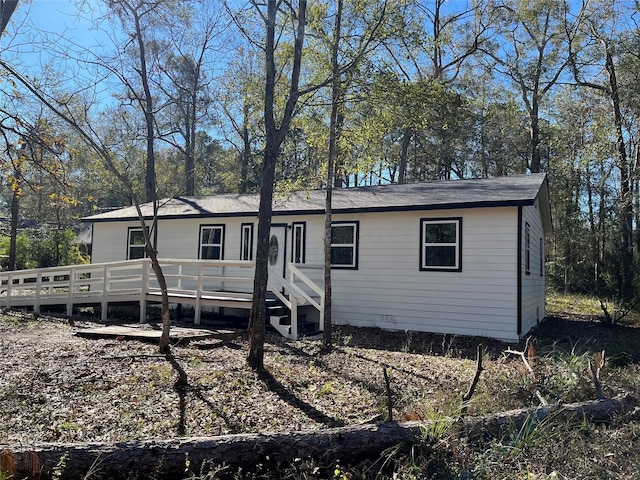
column 55, row 17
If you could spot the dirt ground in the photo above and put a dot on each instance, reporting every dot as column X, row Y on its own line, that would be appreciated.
column 56, row 386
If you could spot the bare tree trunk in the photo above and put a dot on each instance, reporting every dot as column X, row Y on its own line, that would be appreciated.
column 593, row 228
column 7, row 7
column 636, row 194
column 246, row 151
column 275, row 135
column 147, row 102
column 166, row 458
column 336, row 99
column 534, row 132
column 258, row 318
column 626, row 205
column 163, row 345
column 13, row 236
column 404, row 152
column 150, row 180
column 189, row 155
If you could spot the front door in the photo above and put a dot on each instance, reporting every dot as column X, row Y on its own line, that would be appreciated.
column 278, row 248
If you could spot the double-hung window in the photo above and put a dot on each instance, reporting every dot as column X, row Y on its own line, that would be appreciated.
column 441, row 244
column 541, row 257
column 211, row 242
column 135, row 244
column 344, row 245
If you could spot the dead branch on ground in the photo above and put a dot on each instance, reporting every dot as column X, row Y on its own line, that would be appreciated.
column 598, row 360
column 387, row 383
column 526, row 354
column 467, row 396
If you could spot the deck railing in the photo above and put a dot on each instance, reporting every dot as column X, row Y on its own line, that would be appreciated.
column 191, row 281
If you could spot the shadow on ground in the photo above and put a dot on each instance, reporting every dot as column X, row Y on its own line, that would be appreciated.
column 568, row 332
column 586, row 333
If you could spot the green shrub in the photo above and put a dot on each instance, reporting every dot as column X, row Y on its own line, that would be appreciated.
column 56, row 248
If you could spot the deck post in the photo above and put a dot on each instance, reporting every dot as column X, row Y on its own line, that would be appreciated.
column 144, row 289
column 197, row 306
column 104, row 303
column 71, row 291
column 321, row 324
column 36, row 306
column 294, row 316
column 9, row 284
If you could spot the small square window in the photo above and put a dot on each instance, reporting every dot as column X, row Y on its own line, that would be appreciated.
column 441, row 244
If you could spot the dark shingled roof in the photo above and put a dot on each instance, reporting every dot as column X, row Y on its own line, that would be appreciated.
column 518, row 190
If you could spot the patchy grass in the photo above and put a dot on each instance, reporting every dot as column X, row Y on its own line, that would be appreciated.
column 573, row 304
column 59, row 387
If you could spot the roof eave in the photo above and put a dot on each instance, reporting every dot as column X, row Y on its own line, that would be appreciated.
column 320, row 211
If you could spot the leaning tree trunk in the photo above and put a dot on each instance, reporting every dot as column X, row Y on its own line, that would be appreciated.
column 274, row 137
column 13, row 236
column 167, row 458
column 258, row 316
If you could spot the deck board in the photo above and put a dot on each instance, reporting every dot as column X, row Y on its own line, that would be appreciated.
column 177, row 334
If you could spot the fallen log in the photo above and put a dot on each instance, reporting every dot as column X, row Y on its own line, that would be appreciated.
column 168, row 458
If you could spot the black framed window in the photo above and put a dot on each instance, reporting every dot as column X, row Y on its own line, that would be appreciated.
column 246, row 241
column 527, row 248
column 344, row 245
column 211, row 242
column 541, row 257
column 135, row 244
column 298, row 234
column 441, row 244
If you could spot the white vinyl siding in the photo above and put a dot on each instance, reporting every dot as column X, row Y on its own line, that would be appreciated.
column 388, row 290
column 533, row 286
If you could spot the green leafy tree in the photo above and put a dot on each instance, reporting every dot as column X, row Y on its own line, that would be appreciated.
column 595, row 42
column 529, row 49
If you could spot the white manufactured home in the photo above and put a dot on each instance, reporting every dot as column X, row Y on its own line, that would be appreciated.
column 463, row 257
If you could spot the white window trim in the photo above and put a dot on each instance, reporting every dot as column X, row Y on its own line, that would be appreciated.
column 457, row 221
column 221, row 244
column 353, row 245
column 131, row 230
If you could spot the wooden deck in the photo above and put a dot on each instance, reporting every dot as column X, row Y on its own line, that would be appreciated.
column 220, row 283
column 177, row 334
